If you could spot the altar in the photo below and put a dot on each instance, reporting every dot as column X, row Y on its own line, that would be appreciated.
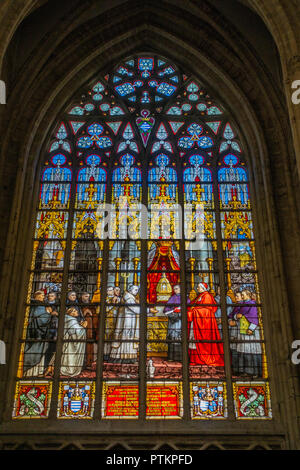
column 157, row 328
column 157, row 320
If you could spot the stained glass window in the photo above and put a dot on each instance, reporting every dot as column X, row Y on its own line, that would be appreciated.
column 143, row 298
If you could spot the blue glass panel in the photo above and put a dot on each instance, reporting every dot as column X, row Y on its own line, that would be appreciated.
column 59, row 159
column 197, row 174
column 186, row 107
column 228, row 132
column 205, row 142
column 124, row 71
column 214, row 110
column 127, row 172
column 197, row 160
column 77, row 111
column 146, row 65
column 162, row 133
column 185, row 142
column 195, row 130
column 104, row 107
column 93, row 160
column 116, row 111
column 235, row 146
column 85, row 142
column 66, row 146
column 92, row 191
column 98, row 97
column 54, row 146
column 174, row 110
column 104, row 142
column 201, row 107
column 192, row 87
column 62, row 133
column 231, row 160
column 98, row 88
column 232, row 174
column 89, row 107
column 95, row 129
column 224, row 146
column 57, row 174
column 145, row 98
column 166, row 89
column 167, row 71
column 128, row 133
column 124, row 89
column 230, row 190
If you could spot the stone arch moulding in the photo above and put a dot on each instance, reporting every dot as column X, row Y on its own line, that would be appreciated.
column 265, row 9
column 228, row 94
column 278, row 16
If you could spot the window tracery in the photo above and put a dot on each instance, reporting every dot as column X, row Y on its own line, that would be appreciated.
column 144, row 259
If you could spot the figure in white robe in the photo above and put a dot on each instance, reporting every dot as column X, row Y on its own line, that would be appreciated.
column 124, row 348
column 74, row 346
column 111, row 315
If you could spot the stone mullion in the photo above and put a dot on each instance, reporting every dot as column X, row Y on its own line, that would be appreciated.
column 64, row 290
column 183, row 295
column 102, row 313
column 222, row 283
column 143, row 293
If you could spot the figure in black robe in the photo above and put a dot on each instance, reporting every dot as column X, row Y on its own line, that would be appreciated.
column 38, row 332
column 173, row 312
column 50, row 353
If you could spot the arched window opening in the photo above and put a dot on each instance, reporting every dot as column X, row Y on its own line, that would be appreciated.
column 143, row 279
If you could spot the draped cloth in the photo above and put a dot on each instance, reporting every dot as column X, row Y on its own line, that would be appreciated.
column 202, row 326
column 163, row 260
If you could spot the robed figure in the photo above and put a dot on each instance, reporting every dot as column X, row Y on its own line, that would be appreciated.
column 202, row 326
column 50, row 353
column 90, row 316
column 248, row 350
column 113, row 299
column 234, row 332
column 38, row 336
column 124, row 348
column 173, row 312
column 74, row 346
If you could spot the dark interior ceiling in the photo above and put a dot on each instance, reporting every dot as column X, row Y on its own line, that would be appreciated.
column 43, row 21
column 253, row 29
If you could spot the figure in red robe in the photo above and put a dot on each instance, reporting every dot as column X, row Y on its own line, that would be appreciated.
column 202, row 326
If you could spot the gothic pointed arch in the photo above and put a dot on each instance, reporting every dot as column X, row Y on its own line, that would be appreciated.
column 144, row 297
